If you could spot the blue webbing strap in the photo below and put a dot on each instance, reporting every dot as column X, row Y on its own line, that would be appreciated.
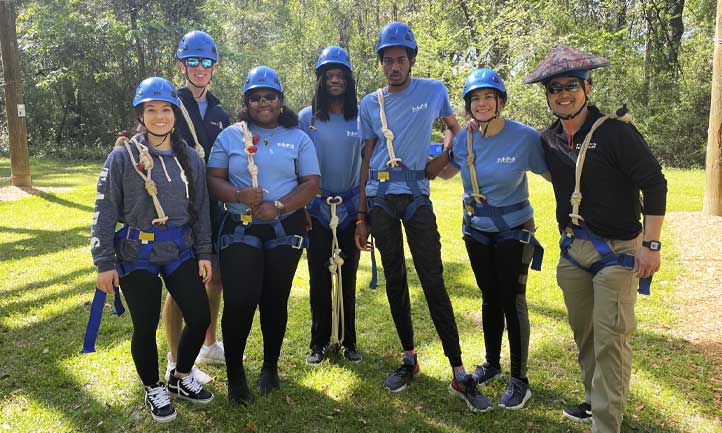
column 523, row 236
column 96, row 314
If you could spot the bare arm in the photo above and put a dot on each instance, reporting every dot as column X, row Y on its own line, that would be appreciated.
column 440, row 166
column 452, row 128
column 362, row 229
column 222, row 190
column 647, row 262
column 547, row 176
column 304, row 192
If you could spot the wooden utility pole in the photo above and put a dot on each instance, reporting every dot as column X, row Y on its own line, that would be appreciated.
column 14, row 106
column 713, row 166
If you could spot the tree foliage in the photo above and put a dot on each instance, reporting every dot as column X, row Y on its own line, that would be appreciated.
column 82, row 60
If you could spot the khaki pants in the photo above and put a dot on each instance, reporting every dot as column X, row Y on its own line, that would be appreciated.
column 601, row 315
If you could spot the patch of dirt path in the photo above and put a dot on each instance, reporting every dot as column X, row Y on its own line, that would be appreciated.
column 14, row 193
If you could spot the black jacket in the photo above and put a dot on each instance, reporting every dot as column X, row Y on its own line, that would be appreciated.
column 207, row 128
column 618, row 165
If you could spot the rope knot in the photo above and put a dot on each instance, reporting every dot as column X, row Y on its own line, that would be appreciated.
column 576, row 199
column 146, row 159
column 151, row 187
column 470, row 159
column 394, row 162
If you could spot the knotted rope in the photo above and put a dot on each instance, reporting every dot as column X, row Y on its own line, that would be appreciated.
column 470, row 158
column 145, row 164
column 576, row 199
column 192, row 128
column 250, row 148
column 393, row 160
column 334, row 266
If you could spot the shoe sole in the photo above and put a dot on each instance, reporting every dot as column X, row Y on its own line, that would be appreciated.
column 163, row 419
column 497, row 376
column 454, row 393
column 212, row 361
column 526, row 398
column 190, row 399
column 576, row 419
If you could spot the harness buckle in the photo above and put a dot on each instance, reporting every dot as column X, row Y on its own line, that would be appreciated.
column 383, row 176
column 296, row 242
column 469, row 210
column 246, row 219
column 145, row 237
column 527, row 238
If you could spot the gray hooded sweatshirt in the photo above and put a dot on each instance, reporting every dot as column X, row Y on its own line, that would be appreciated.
column 122, row 198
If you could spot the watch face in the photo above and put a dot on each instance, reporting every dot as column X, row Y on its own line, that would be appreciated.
column 654, row 245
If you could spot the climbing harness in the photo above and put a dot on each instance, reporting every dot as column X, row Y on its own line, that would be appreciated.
column 476, row 205
column 239, row 236
column 579, row 229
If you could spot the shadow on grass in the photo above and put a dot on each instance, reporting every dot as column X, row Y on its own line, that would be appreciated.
column 53, row 198
column 43, row 242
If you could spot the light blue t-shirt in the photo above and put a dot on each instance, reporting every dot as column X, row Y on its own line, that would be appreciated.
column 283, row 155
column 202, row 107
column 410, row 115
column 501, row 163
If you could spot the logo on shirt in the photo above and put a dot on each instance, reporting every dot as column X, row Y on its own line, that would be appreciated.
column 506, row 160
column 351, row 133
column 286, row 145
column 420, row 107
column 592, row 145
column 218, row 124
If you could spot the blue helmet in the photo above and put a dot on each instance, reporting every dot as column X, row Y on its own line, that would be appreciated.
column 155, row 89
column 396, row 34
column 262, row 77
column 484, row 78
column 333, row 55
column 197, row 44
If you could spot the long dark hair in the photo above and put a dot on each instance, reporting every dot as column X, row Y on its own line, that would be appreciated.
column 181, row 151
column 288, row 118
column 321, row 99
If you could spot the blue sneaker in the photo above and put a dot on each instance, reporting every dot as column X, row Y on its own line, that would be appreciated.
column 485, row 373
column 466, row 390
column 401, row 377
column 516, row 395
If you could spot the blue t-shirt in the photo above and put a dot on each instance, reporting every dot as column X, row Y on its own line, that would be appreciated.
column 410, row 115
column 202, row 107
column 288, row 155
column 501, row 162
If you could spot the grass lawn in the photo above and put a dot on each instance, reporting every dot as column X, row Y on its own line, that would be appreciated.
column 47, row 385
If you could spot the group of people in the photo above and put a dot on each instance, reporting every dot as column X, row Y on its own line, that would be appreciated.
column 218, row 207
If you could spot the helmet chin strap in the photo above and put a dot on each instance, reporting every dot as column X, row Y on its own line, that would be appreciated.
column 165, row 136
column 488, row 122
column 205, row 88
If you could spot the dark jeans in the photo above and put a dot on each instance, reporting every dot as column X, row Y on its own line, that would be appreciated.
column 501, row 274
column 142, row 292
column 425, row 245
column 262, row 278
column 318, row 254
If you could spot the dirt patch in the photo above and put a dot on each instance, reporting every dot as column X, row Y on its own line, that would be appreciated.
column 698, row 289
column 14, row 193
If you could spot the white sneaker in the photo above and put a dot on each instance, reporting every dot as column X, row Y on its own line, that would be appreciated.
column 213, row 354
column 201, row 376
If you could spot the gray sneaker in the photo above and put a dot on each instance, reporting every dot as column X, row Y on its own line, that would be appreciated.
column 516, row 395
column 485, row 373
column 466, row 390
column 401, row 377
column 315, row 357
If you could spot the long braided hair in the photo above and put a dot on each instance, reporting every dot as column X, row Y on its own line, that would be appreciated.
column 321, row 99
column 181, row 151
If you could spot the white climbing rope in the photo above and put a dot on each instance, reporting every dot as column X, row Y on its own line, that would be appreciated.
column 250, row 148
column 146, row 163
column 388, row 134
column 192, row 128
column 470, row 158
column 334, row 266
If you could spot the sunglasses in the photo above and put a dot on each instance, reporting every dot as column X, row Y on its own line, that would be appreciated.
column 256, row 99
column 193, row 62
column 572, row 86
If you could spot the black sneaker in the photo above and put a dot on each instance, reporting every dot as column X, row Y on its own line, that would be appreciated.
column 467, row 391
column 579, row 413
column 315, row 357
column 401, row 377
column 189, row 389
column 485, row 373
column 352, row 355
column 268, row 380
column 158, row 401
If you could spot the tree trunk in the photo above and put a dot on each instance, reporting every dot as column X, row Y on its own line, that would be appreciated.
column 713, row 172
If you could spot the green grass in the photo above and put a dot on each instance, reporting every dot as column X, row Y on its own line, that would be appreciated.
column 47, row 385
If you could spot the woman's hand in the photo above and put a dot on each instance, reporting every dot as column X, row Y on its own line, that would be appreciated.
column 362, row 236
column 250, row 196
column 266, row 211
column 107, row 281
column 205, row 270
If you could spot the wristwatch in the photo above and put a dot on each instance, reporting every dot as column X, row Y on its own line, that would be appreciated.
column 652, row 245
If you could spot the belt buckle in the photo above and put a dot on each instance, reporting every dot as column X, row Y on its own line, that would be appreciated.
column 246, row 219
column 297, row 245
column 383, row 176
column 145, row 237
column 529, row 234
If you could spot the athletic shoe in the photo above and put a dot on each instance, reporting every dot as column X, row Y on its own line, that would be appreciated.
column 268, row 380
column 579, row 413
column 201, row 376
column 516, row 395
column 352, row 355
column 158, row 401
column 315, row 357
column 189, row 389
column 466, row 390
column 213, row 354
column 401, row 377
column 485, row 373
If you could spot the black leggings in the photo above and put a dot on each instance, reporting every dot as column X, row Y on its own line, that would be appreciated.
column 501, row 273
column 425, row 245
column 142, row 292
column 319, row 252
column 262, row 278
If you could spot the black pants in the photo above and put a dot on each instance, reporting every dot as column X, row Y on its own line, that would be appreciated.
column 501, row 273
column 254, row 277
column 142, row 292
column 425, row 245
column 319, row 252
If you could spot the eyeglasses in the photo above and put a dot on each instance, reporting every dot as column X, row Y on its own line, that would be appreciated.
column 572, row 86
column 193, row 62
column 256, row 99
